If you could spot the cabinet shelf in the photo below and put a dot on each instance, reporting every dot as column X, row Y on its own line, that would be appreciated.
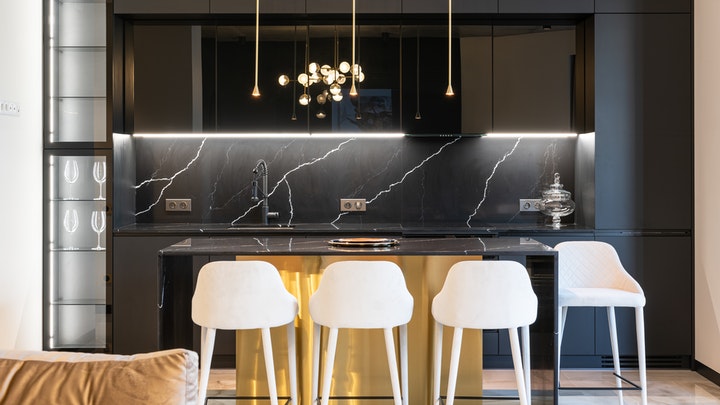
column 79, row 250
column 93, row 302
column 78, row 199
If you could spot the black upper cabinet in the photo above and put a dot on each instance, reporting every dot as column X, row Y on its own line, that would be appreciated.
column 440, row 6
column 266, row 6
column 643, row 121
column 546, row 6
column 161, row 6
column 643, row 6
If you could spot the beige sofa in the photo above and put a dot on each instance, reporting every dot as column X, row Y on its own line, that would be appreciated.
column 165, row 377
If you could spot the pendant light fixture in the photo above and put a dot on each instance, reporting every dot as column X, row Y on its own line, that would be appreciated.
column 256, row 89
column 355, row 68
column 449, row 91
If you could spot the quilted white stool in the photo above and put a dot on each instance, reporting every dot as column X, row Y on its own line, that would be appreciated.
column 485, row 294
column 361, row 295
column 238, row 295
column 590, row 274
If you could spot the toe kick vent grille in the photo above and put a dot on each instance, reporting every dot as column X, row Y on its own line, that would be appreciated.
column 652, row 362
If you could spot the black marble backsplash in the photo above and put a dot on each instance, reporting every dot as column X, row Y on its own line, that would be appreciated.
column 414, row 181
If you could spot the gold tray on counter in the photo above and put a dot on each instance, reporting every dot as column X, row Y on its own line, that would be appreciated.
column 363, row 242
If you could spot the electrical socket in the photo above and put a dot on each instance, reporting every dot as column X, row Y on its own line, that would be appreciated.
column 178, row 204
column 529, row 204
column 352, row 204
column 9, row 108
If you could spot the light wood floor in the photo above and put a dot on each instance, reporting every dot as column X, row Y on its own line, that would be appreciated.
column 665, row 387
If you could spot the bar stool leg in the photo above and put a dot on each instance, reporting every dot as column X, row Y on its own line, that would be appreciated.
column 437, row 362
column 207, row 342
column 329, row 363
column 517, row 365
column 612, row 326
column 269, row 365
column 454, row 362
column 404, row 364
column 525, row 331
column 316, row 363
column 640, row 330
column 292, row 363
column 392, row 364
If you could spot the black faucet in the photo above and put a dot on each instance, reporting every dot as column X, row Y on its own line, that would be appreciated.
column 261, row 172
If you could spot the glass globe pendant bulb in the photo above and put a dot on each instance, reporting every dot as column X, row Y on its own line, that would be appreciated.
column 356, row 69
column 304, row 99
column 334, row 89
column 320, row 114
column 325, row 70
column 321, row 98
column 344, row 67
column 283, row 80
column 303, row 79
column 313, row 68
column 361, row 77
column 341, row 78
column 337, row 97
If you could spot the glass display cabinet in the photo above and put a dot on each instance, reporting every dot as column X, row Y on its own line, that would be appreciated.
column 77, row 178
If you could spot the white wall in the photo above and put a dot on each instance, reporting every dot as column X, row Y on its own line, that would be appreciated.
column 707, row 184
column 21, row 207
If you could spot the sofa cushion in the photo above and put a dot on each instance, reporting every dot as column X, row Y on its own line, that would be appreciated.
column 165, row 377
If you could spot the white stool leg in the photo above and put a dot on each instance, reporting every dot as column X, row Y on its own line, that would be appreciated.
column 207, row 341
column 640, row 330
column 269, row 365
column 315, row 363
column 292, row 362
column 392, row 364
column 525, row 331
column 612, row 326
column 517, row 365
column 454, row 362
column 404, row 364
column 437, row 362
column 329, row 363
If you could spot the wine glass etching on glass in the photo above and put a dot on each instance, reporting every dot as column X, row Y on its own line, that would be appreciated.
column 71, row 222
column 97, row 221
column 99, row 174
column 71, row 173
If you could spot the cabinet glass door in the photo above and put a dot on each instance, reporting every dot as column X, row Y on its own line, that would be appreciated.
column 77, row 277
column 77, row 71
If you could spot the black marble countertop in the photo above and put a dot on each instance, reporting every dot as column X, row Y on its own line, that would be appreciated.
column 289, row 245
column 327, row 229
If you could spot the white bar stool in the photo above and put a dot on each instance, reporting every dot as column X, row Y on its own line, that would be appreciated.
column 361, row 295
column 590, row 274
column 238, row 295
column 485, row 294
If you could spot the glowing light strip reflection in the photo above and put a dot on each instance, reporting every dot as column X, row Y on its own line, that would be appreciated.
column 530, row 135
column 273, row 135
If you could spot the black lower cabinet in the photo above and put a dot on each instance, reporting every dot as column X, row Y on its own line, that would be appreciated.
column 137, row 294
column 662, row 264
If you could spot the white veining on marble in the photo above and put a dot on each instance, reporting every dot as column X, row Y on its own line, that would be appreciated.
column 419, row 165
column 292, row 209
column 391, row 186
column 385, row 169
column 170, row 179
column 487, row 181
column 285, row 176
column 211, row 196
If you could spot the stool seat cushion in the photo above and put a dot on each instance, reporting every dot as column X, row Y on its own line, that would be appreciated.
column 599, row 297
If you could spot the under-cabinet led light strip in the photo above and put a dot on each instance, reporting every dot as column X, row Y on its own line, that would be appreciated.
column 530, row 135
column 273, row 135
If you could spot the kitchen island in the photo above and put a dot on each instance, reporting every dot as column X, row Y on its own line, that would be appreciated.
column 360, row 364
